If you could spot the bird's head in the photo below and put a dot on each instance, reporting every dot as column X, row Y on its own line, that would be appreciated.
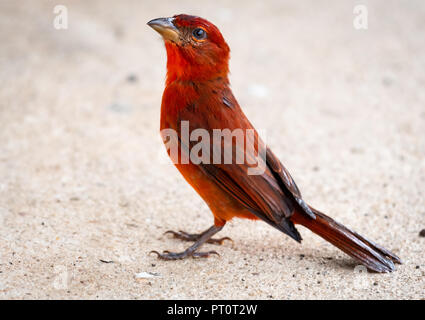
column 196, row 50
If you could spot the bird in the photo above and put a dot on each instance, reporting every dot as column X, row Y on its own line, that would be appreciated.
column 197, row 96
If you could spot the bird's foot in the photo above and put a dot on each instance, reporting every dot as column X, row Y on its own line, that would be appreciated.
column 167, row 255
column 195, row 237
column 199, row 239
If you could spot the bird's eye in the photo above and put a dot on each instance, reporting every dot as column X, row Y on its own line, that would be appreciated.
column 199, row 34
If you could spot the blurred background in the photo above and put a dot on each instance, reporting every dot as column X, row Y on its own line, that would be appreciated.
column 85, row 193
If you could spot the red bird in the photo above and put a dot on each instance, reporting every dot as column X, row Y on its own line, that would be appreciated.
column 197, row 94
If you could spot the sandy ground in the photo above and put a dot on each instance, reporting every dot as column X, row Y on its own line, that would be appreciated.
column 84, row 177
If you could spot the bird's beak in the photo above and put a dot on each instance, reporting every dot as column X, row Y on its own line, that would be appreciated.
column 166, row 28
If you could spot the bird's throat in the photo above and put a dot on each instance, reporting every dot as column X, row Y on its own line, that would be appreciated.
column 182, row 65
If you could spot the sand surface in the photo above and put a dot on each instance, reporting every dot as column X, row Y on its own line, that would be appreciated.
column 84, row 177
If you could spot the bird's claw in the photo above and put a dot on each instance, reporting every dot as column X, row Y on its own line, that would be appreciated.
column 182, row 235
column 154, row 251
column 167, row 255
column 204, row 254
column 175, row 234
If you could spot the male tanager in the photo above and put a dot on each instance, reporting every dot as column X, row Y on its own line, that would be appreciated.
column 197, row 94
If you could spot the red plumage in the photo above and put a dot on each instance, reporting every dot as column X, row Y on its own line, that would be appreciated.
column 198, row 91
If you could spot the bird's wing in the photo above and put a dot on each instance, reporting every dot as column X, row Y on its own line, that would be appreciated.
column 271, row 195
column 283, row 176
column 255, row 198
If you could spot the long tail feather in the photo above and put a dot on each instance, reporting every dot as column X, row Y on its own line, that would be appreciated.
column 373, row 256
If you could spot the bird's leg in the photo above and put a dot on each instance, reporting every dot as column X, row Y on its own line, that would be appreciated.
column 190, row 252
column 182, row 235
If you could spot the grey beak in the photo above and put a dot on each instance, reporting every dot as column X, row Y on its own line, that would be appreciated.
column 166, row 28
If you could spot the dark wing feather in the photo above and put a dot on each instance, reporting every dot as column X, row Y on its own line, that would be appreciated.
column 284, row 177
column 224, row 181
column 272, row 196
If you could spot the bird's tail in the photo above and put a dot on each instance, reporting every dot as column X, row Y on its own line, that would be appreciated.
column 371, row 255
